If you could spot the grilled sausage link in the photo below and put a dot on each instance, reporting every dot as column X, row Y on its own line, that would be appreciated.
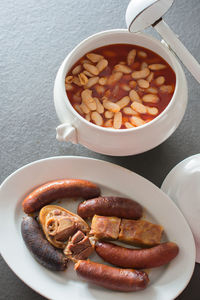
column 53, row 190
column 41, row 249
column 110, row 206
column 137, row 258
column 125, row 280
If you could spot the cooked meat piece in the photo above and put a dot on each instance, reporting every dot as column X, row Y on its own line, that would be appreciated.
column 140, row 232
column 105, row 227
column 61, row 227
column 79, row 247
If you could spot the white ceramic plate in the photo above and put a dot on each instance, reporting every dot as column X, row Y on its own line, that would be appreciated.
column 182, row 184
column 165, row 282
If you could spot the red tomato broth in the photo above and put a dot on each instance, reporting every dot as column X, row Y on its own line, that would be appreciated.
column 115, row 54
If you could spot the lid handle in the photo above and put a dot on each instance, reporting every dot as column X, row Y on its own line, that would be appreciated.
column 180, row 50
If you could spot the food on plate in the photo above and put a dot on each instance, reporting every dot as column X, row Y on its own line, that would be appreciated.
column 105, row 227
column 54, row 190
column 110, row 206
column 125, row 280
column 119, row 219
column 79, row 246
column 137, row 258
column 59, row 224
column 121, row 91
column 138, row 232
column 41, row 249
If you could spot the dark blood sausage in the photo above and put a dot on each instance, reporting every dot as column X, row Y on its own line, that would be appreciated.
column 137, row 258
column 53, row 190
column 41, row 249
column 110, row 206
column 125, row 280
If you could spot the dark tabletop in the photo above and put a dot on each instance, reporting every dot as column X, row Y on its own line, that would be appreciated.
column 35, row 37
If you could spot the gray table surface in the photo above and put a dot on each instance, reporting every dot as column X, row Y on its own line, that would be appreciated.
column 35, row 37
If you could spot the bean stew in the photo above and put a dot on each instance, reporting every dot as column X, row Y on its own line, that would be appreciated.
column 120, row 86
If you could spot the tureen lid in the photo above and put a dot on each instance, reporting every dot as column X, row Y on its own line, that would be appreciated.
column 140, row 14
column 182, row 185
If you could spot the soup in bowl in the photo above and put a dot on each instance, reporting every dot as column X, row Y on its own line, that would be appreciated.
column 119, row 93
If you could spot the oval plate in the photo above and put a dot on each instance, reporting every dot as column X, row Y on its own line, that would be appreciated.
column 166, row 282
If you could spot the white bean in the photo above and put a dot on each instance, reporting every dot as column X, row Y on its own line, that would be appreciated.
column 130, row 111
column 84, row 108
column 111, row 106
column 150, row 98
column 108, row 114
column 137, row 121
column 166, row 89
column 97, row 118
column 86, row 96
column 88, row 74
column 117, row 121
column 134, row 96
column 122, row 68
column 114, row 78
column 131, row 57
column 77, row 81
column 152, row 90
column 77, row 70
column 142, row 54
column 128, row 125
column 92, row 81
column 157, row 67
column 102, row 64
column 160, row 80
column 123, row 102
column 83, row 78
column 125, row 87
column 140, row 74
column 150, row 77
column 100, row 108
column 94, row 57
column 139, row 107
column 152, row 110
column 144, row 84
column 90, row 68
column 143, row 65
column 69, row 79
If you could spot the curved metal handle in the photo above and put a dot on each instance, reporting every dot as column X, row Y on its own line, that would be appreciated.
column 66, row 133
column 178, row 48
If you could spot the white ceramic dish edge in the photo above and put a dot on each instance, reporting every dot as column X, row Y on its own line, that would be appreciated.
column 57, row 163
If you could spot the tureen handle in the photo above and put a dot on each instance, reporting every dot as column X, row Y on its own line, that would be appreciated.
column 66, row 133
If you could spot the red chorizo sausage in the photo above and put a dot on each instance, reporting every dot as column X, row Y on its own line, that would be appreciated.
column 125, row 280
column 110, row 206
column 53, row 190
column 137, row 258
column 41, row 249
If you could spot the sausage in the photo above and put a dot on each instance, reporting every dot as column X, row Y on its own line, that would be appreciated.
column 124, row 280
column 41, row 249
column 110, row 206
column 137, row 258
column 53, row 190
